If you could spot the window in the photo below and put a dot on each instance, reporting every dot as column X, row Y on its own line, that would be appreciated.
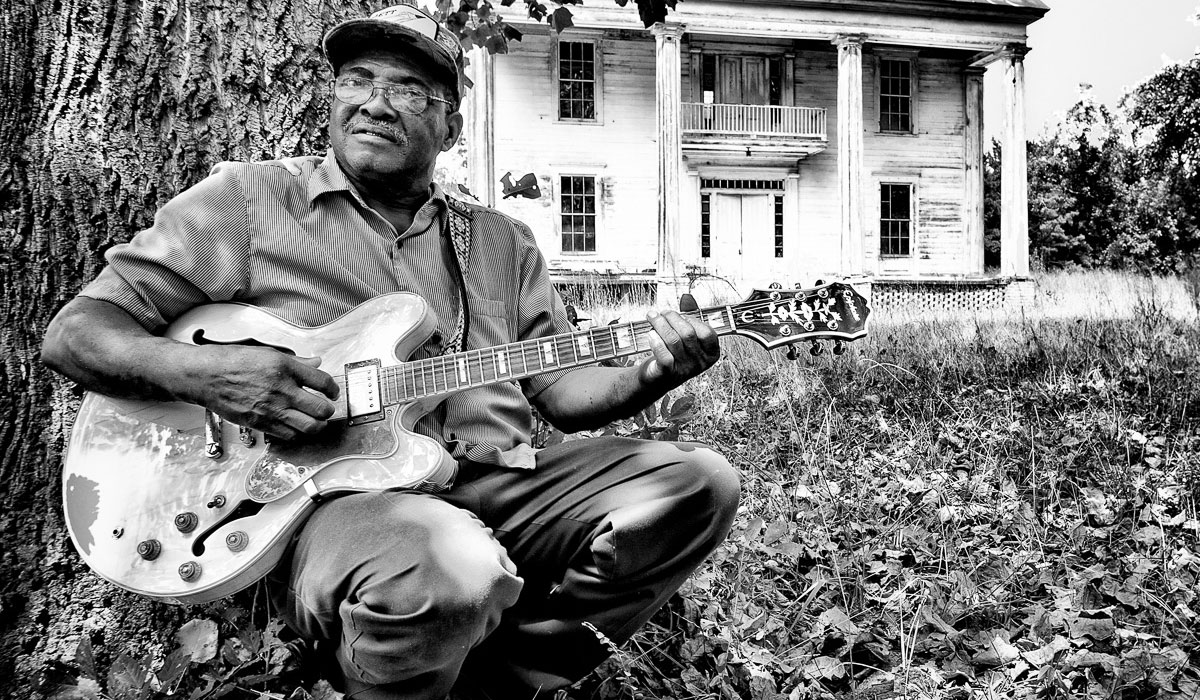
column 895, row 219
column 779, row 225
column 705, row 225
column 577, row 80
column 577, row 202
column 708, row 78
column 774, row 81
column 895, row 95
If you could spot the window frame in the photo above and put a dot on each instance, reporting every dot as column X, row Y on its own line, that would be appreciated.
column 909, row 57
column 579, row 37
column 560, row 196
column 914, row 208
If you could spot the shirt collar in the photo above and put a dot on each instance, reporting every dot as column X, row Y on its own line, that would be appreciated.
column 329, row 177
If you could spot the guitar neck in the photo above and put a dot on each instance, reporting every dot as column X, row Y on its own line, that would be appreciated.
column 446, row 374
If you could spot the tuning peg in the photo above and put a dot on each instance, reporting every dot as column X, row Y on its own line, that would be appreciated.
column 839, row 348
column 791, row 353
column 687, row 303
column 775, row 285
column 818, row 283
column 816, row 349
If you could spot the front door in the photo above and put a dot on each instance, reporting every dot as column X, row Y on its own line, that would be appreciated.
column 743, row 236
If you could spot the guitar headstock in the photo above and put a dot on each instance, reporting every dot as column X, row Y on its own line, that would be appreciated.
column 778, row 317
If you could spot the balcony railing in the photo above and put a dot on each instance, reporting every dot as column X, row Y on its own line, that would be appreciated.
column 749, row 120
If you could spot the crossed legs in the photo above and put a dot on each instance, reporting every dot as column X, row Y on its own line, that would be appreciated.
column 421, row 592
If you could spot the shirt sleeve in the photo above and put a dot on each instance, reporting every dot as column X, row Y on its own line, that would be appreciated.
column 196, row 251
column 540, row 311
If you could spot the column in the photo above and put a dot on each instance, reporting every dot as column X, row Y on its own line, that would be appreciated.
column 850, row 150
column 479, row 108
column 1014, row 187
column 668, row 77
column 973, row 149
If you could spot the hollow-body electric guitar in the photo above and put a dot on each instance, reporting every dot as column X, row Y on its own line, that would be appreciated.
column 169, row 501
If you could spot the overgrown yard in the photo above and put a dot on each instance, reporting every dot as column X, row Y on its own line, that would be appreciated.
column 959, row 506
column 1001, row 506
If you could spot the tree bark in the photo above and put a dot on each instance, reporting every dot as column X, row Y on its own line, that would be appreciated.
column 107, row 109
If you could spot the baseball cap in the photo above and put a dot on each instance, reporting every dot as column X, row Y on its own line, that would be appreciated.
column 404, row 27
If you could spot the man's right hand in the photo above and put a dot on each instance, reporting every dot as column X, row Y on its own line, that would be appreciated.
column 263, row 389
column 100, row 346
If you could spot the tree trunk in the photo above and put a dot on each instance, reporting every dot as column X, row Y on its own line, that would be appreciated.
column 107, row 109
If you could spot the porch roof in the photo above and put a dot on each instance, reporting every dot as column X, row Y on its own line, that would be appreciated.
column 1034, row 4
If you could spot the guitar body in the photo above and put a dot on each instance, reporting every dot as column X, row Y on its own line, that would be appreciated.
column 140, row 473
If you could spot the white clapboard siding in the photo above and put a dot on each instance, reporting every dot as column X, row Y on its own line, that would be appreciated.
column 931, row 158
column 619, row 150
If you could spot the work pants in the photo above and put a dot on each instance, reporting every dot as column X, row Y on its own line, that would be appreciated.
column 515, row 583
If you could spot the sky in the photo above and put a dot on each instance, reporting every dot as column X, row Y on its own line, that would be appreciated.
column 1112, row 44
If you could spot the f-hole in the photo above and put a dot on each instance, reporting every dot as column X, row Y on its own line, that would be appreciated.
column 244, row 509
column 198, row 338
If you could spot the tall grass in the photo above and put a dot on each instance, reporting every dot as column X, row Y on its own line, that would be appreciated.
column 950, row 481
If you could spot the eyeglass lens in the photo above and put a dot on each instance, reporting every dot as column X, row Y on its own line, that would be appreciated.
column 401, row 97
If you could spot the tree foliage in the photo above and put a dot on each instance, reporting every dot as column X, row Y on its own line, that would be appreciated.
column 478, row 23
column 1120, row 189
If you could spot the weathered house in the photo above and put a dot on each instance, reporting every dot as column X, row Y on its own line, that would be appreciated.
column 741, row 144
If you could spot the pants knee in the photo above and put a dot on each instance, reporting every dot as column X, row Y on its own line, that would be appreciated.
column 714, row 487
column 407, row 583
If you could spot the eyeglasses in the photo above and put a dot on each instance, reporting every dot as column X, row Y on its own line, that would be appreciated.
column 403, row 98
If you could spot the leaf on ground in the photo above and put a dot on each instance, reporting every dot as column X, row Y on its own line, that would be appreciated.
column 323, row 691
column 1095, row 624
column 824, row 668
column 1085, row 659
column 198, row 639
column 776, row 530
column 1040, row 657
column 127, row 678
column 234, row 652
column 173, row 668
column 84, row 689
column 997, row 652
column 683, row 410
column 753, row 529
column 85, row 658
column 1148, row 534
column 838, row 619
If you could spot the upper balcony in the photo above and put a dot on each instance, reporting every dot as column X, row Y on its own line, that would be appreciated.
column 733, row 134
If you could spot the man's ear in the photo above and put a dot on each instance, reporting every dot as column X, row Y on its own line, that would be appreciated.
column 454, row 126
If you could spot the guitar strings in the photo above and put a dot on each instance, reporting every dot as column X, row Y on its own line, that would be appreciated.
column 469, row 368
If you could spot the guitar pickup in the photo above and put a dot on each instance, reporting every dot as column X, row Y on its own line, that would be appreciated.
column 364, row 400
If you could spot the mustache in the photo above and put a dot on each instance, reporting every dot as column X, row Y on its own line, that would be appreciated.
column 389, row 129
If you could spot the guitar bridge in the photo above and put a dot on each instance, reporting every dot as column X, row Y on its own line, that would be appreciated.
column 364, row 402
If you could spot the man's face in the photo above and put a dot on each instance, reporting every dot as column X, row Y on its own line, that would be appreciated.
column 376, row 142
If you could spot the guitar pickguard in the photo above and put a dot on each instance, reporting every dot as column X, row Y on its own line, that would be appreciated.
column 286, row 466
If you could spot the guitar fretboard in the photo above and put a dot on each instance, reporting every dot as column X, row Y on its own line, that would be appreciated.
column 446, row 374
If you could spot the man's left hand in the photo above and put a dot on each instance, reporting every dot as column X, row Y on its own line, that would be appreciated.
column 682, row 348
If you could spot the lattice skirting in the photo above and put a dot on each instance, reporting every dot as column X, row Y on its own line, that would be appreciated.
column 908, row 296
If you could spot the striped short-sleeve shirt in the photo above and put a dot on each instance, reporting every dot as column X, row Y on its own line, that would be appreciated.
column 307, row 248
